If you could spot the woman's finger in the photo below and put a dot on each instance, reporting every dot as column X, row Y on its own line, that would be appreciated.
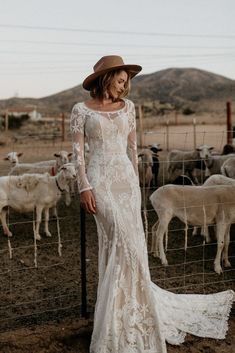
column 92, row 208
column 93, row 203
column 88, row 203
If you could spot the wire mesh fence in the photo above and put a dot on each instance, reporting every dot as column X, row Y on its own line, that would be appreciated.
column 192, row 269
column 52, row 289
column 41, row 280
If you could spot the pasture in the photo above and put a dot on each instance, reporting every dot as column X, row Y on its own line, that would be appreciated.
column 40, row 306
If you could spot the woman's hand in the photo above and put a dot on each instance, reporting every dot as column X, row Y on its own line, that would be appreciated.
column 87, row 201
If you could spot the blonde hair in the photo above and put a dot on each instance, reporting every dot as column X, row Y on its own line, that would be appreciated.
column 101, row 85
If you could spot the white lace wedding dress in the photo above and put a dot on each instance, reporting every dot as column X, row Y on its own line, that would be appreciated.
column 132, row 314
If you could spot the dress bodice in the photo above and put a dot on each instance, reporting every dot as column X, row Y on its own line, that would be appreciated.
column 109, row 134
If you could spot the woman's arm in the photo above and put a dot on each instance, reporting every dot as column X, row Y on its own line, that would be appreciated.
column 132, row 139
column 78, row 139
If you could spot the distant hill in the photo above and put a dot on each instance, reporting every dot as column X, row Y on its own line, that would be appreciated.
column 198, row 89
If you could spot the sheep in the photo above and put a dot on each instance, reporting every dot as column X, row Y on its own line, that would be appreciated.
column 228, row 149
column 185, row 180
column 201, row 205
column 187, row 161
column 33, row 191
column 51, row 167
column 182, row 180
column 228, row 167
column 215, row 179
column 13, row 158
column 155, row 148
column 214, row 163
column 145, row 164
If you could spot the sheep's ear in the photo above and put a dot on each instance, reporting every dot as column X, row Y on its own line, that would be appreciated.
column 211, row 148
column 56, row 155
column 6, row 159
column 70, row 154
column 19, row 154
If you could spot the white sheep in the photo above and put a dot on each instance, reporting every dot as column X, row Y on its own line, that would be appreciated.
column 50, row 166
column 215, row 179
column 13, row 158
column 185, row 162
column 195, row 205
column 33, row 191
column 214, row 163
column 145, row 164
column 228, row 167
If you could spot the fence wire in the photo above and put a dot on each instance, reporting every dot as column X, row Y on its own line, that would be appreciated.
column 51, row 290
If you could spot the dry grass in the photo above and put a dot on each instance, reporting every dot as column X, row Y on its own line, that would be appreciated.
column 184, row 137
column 174, row 118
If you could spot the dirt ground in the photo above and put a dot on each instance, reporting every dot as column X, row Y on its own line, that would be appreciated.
column 74, row 337
column 40, row 307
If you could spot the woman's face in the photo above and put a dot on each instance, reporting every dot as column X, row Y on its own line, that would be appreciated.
column 118, row 84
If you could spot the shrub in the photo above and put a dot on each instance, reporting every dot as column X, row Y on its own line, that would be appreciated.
column 16, row 122
column 188, row 111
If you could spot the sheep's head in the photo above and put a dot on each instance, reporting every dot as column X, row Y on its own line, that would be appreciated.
column 62, row 157
column 146, row 157
column 13, row 157
column 155, row 148
column 204, row 151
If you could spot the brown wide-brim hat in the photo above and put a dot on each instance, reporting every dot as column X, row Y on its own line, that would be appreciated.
column 106, row 64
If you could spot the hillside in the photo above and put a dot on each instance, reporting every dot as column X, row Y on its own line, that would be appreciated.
column 194, row 88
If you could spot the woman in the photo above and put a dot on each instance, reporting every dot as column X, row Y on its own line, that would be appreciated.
column 132, row 314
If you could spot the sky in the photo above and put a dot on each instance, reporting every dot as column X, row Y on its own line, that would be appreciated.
column 49, row 46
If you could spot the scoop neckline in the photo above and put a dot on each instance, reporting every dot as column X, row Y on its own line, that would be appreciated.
column 106, row 111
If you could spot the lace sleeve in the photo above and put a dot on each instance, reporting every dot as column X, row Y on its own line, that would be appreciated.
column 77, row 130
column 132, row 139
